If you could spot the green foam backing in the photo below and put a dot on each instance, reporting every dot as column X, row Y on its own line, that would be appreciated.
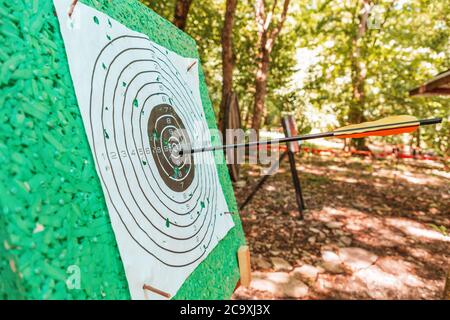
column 53, row 213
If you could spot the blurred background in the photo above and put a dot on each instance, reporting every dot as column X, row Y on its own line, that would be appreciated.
column 332, row 63
column 377, row 211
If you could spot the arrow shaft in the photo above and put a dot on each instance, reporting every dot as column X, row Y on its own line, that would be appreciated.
column 313, row 136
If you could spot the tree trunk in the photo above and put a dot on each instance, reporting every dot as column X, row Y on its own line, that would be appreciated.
column 260, row 92
column 356, row 112
column 266, row 40
column 181, row 12
column 418, row 140
column 227, row 58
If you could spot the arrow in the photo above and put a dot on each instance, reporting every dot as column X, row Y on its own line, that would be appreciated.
column 383, row 127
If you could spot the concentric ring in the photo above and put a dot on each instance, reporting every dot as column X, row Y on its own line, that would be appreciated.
column 138, row 98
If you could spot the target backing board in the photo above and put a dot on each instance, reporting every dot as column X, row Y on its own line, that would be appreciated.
column 167, row 213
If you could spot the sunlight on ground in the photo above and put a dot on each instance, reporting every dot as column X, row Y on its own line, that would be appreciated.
column 364, row 227
column 338, row 169
column 416, row 230
column 320, row 171
column 368, row 232
column 419, row 179
column 346, row 179
column 441, row 173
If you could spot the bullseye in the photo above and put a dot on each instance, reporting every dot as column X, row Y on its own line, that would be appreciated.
column 163, row 126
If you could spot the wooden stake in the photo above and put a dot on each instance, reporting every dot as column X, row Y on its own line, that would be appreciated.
column 244, row 266
column 191, row 65
column 71, row 8
column 157, row 291
column 446, row 295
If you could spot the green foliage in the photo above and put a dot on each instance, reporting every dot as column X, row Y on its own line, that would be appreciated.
column 406, row 44
column 204, row 24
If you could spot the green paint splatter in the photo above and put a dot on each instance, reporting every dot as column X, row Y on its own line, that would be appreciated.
column 124, row 84
column 202, row 204
column 96, row 20
column 104, row 66
column 106, row 134
column 109, row 23
column 144, row 162
column 157, row 78
column 176, row 172
column 155, row 134
column 135, row 103
column 165, row 142
column 108, row 37
column 167, row 222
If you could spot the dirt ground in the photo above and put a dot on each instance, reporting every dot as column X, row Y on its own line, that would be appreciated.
column 373, row 229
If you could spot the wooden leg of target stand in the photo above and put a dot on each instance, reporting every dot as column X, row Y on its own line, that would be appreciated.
column 290, row 129
column 297, row 186
column 244, row 267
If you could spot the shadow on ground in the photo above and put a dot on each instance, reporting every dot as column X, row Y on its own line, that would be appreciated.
column 373, row 230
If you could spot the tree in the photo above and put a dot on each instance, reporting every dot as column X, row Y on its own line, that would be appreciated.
column 346, row 75
column 181, row 12
column 407, row 44
column 206, row 21
column 267, row 35
column 358, row 69
column 227, row 57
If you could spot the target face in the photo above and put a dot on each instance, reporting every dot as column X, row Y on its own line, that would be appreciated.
column 165, row 132
column 140, row 106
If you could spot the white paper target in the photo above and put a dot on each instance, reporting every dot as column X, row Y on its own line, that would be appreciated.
column 167, row 214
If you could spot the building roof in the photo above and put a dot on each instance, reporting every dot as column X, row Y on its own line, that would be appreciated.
column 438, row 86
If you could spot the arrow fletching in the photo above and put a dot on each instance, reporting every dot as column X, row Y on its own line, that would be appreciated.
column 383, row 127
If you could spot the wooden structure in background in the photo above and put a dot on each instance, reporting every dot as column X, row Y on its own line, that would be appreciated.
column 290, row 130
column 438, row 86
column 232, row 120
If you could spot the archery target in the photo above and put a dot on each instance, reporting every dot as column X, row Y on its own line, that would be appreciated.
column 140, row 105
